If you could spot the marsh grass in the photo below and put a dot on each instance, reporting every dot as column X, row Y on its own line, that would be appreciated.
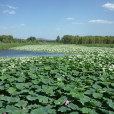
column 4, row 46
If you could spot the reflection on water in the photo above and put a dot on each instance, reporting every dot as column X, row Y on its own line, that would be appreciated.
column 16, row 53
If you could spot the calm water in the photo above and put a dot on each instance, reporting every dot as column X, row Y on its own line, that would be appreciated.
column 16, row 53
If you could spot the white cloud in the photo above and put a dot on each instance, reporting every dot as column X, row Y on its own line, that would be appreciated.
column 12, row 12
column 8, row 10
column 70, row 18
column 22, row 24
column 11, row 7
column 101, row 21
column 109, row 6
column 17, row 26
column 76, row 23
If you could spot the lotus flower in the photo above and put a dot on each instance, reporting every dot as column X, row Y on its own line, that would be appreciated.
column 36, row 68
column 22, row 73
column 109, row 82
column 63, row 75
column 67, row 102
column 109, row 64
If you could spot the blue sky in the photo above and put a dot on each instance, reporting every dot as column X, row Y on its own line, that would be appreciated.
column 50, row 18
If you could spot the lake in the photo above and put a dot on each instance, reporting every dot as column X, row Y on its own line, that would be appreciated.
column 18, row 53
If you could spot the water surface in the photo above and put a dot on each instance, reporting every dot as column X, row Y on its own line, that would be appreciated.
column 18, row 53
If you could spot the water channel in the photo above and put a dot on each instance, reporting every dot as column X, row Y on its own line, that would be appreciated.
column 18, row 53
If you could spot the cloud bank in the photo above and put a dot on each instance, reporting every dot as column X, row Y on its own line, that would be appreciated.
column 70, row 18
column 101, row 21
column 12, row 12
column 109, row 6
column 8, row 9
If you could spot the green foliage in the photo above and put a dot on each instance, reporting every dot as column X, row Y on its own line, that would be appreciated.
column 42, row 85
column 31, row 39
column 6, row 38
column 58, row 39
column 69, row 39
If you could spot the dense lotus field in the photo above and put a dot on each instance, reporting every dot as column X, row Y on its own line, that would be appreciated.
column 77, row 84
column 65, row 48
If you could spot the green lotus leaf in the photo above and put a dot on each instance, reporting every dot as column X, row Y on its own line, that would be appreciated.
column 46, row 81
column 25, row 111
column 13, row 99
column 84, row 99
column 19, row 86
column 1, row 82
column 110, row 103
column 47, row 68
column 77, row 95
column 96, row 86
column 38, row 111
column 2, row 88
column 97, row 95
column 31, row 98
column 21, row 103
column 41, row 77
column 21, row 79
column 33, row 106
column 35, row 81
column 11, row 90
column 73, row 106
column 76, row 73
column 1, row 103
column 95, row 103
column 11, row 108
column 104, row 111
column 52, row 111
column 112, row 84
column 74, row 113
column 2, row 110
column 50, row 91
column 64, row 109
column 3, row 78
column 111, row 112
column 7, row 85
column 61, row 100
column 85, row 110
column 11, row 79
column 43, row 100
column 2, row 97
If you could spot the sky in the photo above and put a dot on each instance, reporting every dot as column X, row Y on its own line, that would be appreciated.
column 49, row 18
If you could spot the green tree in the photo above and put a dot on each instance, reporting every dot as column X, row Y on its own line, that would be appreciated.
column 6, row 38
column 58, row 39
column 31, row 39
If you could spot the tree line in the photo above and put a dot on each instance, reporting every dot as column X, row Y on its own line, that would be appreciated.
column 67, row 39
column 10, row 39
column 70, row 39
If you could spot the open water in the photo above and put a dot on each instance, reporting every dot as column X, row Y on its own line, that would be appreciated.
column 17, row 53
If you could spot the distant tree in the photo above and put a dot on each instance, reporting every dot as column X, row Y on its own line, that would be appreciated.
column 6, row 38
column 31, row 39
column 58, row 39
